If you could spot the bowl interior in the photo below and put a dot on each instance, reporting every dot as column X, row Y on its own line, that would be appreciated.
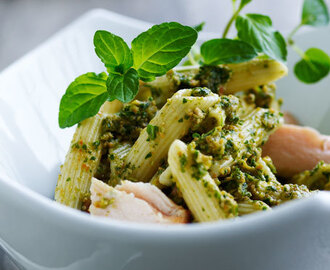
column 32, row 146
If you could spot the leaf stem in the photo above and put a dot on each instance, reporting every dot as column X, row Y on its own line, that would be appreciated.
column 299, row 51
column 232, row 19
column 234, row 5
column 191, row 59
column 293, row 32
column 292, row 43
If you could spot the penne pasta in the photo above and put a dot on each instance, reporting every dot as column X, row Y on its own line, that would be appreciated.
column 82, row 159
column 254, row 73
column 240, row 77
column 172, row 122
column 117, row 156
column 250, row 206
column 80, row 163
column 166, row 178
column 202, row 196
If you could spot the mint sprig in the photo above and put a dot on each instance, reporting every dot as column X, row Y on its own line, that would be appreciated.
column 315, row 63
column 314, row 66
column 244, row 3
column 123, row 86
column 83, row 98
column 257, row 30
column 161, row 48
column 224, row 51
column 152, row 54
column 255, row 36
column 199, row 27
column 113, row 52
column 315, row 13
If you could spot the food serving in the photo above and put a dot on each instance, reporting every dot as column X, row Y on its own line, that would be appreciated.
column 160, row 142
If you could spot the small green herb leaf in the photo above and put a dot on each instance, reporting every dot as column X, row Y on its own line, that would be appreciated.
column 314, row 66
column 161, row 48
column 223, row 51
column 315, row 13
column 199, row 27
column 152, row 132
column 123, row 87
column 82, row 99
column 244, row 3
column 257, row 30
column 113, row 52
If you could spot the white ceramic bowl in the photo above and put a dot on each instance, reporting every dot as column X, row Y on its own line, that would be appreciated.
column 41, row 234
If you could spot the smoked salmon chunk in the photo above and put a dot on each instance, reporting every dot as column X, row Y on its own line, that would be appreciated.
column 295, row 149
column 138, row 202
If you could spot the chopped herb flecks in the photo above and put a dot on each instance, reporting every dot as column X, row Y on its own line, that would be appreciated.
column 183, row 162
column 148, row 155
column 152, row 132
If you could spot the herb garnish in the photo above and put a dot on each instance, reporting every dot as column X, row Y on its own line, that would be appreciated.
column 83, row 98
column 199, row 27
column 163, row 46
column 315, row 63
column 152, row 54
column 223, row 51
column 257, row 30
column 256, row 37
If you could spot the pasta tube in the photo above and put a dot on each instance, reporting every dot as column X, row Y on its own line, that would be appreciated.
column 117, row 156
column 251, row 206
column 166, row 178
column 201, row 194
column 173, row 121
column 80, row 163
column 111, row 107
column 231, row 78
column 254, row 73
column 161, row 88
column 82, row 159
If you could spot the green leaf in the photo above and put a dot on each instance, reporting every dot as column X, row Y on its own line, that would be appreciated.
column 123, row 87
column 82, row 99
column 161, row 48
column 314, row 66
column 113, row 52
column 244, row 3
column 257, row 30
column 315, row 13
column 199, row 27
column 223, row 51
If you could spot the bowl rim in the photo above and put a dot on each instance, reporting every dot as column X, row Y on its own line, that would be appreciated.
column 67, row 217
column 19, row 195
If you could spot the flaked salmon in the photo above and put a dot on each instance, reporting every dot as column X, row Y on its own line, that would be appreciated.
column 138, row 202
column 295, row 149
